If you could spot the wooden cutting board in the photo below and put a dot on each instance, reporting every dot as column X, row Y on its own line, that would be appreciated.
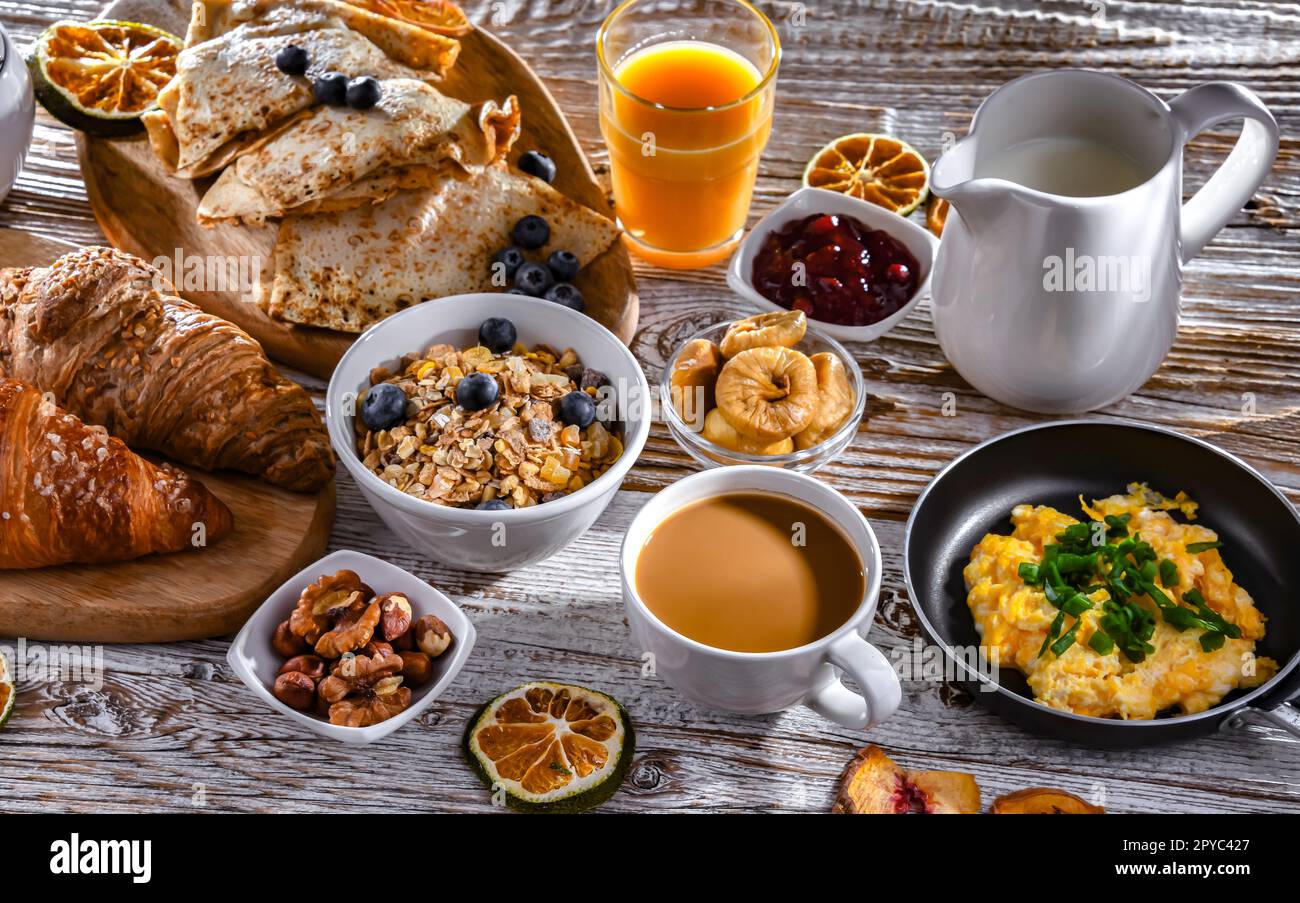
column 145, row 210
column 182, row 596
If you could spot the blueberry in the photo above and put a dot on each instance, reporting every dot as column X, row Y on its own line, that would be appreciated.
column 570, row 297
column 291, row 60
column 363, row 93
column 331, row 89
column 476, row 391
column 532, row 232
column 536, row 163
column 384, row 407
column 578, row 409
column 564, row 265
column 511, row 259
column 518, row 291
column 533, row 278
column 493, row 505
column 497, row 334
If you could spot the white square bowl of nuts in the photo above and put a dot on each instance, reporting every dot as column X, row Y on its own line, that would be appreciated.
column 352, row 647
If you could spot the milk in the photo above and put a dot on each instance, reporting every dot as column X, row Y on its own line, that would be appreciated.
column 1070, row 167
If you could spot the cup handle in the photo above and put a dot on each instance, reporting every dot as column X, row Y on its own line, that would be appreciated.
column 880, row 689
column 1233, row 183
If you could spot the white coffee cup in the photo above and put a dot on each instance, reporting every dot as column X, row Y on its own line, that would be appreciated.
column 753, row 683
column 17, row 112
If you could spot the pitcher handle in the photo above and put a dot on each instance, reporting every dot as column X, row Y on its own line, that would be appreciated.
column 1235, row 181
column 881, row 692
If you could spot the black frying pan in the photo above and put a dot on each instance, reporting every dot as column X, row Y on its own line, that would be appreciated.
column 1053, row 464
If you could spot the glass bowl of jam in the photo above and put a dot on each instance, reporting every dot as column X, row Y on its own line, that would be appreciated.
column 853, row 268
column 687, row 418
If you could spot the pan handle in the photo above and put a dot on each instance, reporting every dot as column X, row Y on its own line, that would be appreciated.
column 1285, row 716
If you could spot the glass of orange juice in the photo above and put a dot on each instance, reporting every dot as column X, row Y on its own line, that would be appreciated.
column 686, row 96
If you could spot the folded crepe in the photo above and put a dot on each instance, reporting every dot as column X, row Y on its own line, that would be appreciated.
column 335, row 158
column 228, row 94
column 350, row 269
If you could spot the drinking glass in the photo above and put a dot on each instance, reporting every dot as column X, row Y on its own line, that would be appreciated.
column 686, row 97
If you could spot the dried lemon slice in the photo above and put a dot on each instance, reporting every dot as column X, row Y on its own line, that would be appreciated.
column 6, row 690
column 439, row 16
column 551, row 746
column 100, row 77
column 876, row 168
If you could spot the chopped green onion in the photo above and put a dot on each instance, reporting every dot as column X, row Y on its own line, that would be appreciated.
column 1198, row 547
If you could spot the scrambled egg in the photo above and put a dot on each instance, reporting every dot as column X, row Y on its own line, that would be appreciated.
column 1013, row 618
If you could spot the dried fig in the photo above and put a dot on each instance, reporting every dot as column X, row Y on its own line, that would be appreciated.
column 1043, row 801
column 296, row 690
column 835, row 400
column 350, row 634
column 311, row 665
column 718, row 431
column 287, row 643
column 432, row 636
column 695, row 372
column 783, row 328
column 395, row 615
column 768, row 393
column 417, row 668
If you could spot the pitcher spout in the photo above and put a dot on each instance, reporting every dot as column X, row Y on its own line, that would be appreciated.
column 977, row 200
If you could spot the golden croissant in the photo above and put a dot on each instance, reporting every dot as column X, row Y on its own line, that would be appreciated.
column 106, row 335
column 70, row 493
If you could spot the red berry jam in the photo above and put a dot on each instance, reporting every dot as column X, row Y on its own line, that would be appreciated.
column 835, row 269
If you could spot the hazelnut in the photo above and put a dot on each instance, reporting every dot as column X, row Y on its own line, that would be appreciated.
column 405, row 642
column 397, row 615
column 311, row 665
column 417, row 668
column 296, row 690
column 287, row 643
column 432, row 636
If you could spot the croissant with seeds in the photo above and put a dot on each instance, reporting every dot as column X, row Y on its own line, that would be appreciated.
column 105, row 335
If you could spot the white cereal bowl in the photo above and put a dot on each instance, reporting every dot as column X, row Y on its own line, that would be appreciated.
column 256, row 663
column 808, row 201
column 492, row 541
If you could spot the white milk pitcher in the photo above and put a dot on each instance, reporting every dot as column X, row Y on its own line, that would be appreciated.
column 1058, row 278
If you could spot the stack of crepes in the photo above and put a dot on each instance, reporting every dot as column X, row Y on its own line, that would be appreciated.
column 380, row 208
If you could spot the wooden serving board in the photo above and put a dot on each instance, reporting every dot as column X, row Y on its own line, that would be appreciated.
column 149, row 212
column 182, row 596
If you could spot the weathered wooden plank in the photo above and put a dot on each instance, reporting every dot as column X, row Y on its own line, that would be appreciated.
column 172, row 717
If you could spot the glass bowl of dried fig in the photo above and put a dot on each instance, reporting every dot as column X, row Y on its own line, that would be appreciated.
column 766, row 389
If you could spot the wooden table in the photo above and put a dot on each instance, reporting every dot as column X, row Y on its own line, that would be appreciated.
column 172, row 729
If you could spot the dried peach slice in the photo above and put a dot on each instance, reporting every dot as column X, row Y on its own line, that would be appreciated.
column 873, row 784
column 551, row 746
column 1043, row 801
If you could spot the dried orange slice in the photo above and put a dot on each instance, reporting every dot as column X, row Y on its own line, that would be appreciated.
column 6, row 690
column 439, row 16
column 551, row 746
column 875, row 168
column 100, row 77
column 936, row 215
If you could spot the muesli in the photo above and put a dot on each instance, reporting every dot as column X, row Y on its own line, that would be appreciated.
column 494, row 426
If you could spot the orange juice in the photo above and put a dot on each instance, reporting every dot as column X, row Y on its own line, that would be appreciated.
column 685, row 126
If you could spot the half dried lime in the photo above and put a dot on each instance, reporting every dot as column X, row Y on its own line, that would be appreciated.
column 551, row 746
column 100, row 77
